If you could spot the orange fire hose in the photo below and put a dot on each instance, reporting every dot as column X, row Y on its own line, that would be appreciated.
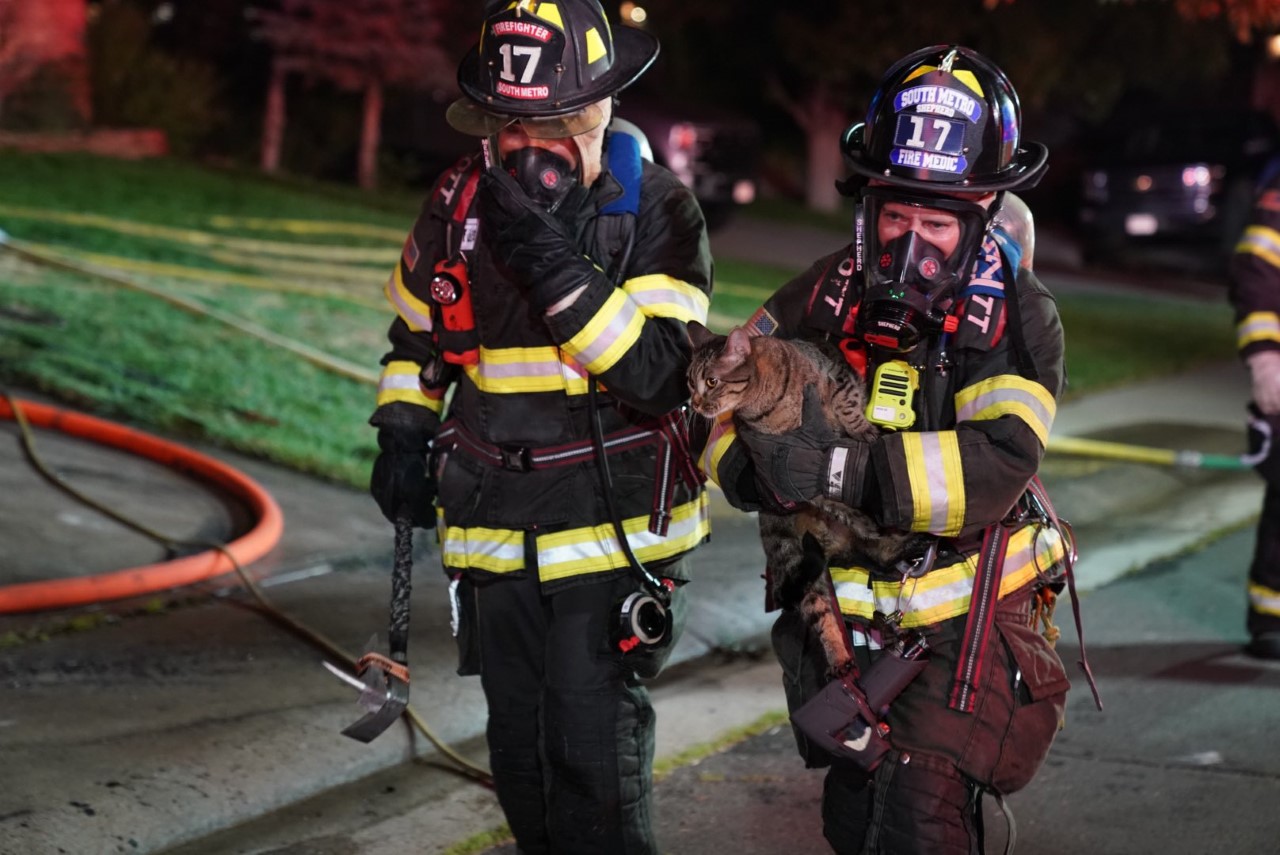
column 61, row 593
column 33, row 596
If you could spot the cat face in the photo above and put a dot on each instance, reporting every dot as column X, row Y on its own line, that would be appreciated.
column 719, row 372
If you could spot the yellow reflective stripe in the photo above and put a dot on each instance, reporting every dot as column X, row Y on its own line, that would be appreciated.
column 413, row 311
column 1264, row 600
column 1258, row 326
column 968, row 78
column 548, row 12
column 494, row 549
column 399, row 382
column 945, row 592
column 595, row 549
column 511, row 370
column 609, row 335
column 595, row 46
column 936, row 481
column 1008, row 394
column 722, row 436
column 662, row 296
column 576, row 552
column 1262, row 242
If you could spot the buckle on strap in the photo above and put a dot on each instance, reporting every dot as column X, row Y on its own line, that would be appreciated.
column 515, row 458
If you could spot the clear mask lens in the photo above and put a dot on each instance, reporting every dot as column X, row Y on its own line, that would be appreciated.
column 915, row 271
column 470, row 118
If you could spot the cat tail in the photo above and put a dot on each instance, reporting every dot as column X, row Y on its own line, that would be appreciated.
column 820, row 607
column 792, row 564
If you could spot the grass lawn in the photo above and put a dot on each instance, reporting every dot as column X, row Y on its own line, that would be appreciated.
column 306, row 262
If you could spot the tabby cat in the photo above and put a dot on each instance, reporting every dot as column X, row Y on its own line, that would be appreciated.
column 761, row 380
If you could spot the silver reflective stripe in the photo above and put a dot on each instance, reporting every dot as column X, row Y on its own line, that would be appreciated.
column 1258, row 326
column 615, row 331
column 453, row 606
column 937, row 487
column 835, row 472
column 1005, row 395
column 414, row 312
column 1264, row 600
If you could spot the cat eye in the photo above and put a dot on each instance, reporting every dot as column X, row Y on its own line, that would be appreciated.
column 711, row 382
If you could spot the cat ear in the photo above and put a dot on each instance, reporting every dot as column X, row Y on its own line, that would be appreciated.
column 739, row 344
column 698, row 334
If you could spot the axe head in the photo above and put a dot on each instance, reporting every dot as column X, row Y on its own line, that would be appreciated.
column 384, row 694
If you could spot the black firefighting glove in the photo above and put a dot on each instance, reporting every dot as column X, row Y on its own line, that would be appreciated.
column 538, row 248
column 401, row 483
column 809, row 462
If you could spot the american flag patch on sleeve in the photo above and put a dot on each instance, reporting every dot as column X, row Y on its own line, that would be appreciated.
column 410, row 254
column 762, row 323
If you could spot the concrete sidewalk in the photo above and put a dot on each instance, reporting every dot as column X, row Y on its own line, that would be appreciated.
column 189, row 723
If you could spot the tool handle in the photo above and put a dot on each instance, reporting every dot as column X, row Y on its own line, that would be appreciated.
column 401, row 571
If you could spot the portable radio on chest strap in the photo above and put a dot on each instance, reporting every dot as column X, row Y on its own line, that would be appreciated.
column 458, row 339
column 449, row 291
column 834, row 308
column 891, row 400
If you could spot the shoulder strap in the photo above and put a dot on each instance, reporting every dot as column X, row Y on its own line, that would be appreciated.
column 457, row 188
column 833, row 302
column 626, row 166
column 616, row 225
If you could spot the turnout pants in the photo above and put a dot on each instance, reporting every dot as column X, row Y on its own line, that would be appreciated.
column 571, row 728
column 1264, row 572
column 923, row 797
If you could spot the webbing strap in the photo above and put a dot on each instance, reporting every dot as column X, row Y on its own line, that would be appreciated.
column 463, row 203
column 979, row 823
column 982, row 613
column 1041, row 495
column 625, row 165
column 523, row 458
column 673, row 462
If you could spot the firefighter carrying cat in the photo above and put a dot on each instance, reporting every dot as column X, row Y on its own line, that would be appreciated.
column 962, row 351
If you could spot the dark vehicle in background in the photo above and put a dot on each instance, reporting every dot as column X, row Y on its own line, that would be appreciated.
column 713, row 152
column 1172, row 176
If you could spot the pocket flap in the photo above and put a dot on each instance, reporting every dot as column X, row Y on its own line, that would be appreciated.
column 1042, row 671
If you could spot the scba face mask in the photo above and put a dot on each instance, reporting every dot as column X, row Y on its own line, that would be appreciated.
column 548, row 178
column 911, row 284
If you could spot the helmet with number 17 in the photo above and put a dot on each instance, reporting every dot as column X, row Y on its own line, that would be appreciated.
column 944, row 119
column 546, row 64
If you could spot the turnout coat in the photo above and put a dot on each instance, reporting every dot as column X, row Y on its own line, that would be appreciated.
column 519, row 483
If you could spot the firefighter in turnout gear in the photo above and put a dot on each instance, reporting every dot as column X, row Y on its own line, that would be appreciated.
column 1255, row 294
column 962, row 351
column 546, row 285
